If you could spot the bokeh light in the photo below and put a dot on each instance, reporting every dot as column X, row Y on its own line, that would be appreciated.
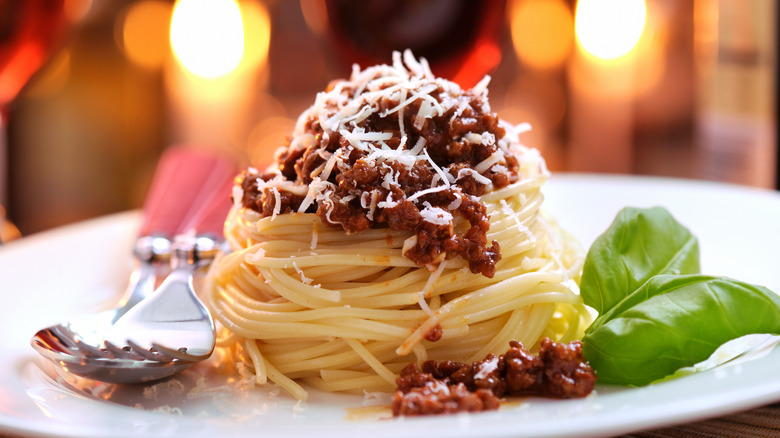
column 257, row 35
column 609, row 29
column 542, row 32
column 142, row 32
column 207, row 36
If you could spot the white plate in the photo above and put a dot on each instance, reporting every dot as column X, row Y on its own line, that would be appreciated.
column 80, row 269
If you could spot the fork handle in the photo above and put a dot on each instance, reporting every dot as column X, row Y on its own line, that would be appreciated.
column 212, row 205
column 181, row 176
column 202, row 238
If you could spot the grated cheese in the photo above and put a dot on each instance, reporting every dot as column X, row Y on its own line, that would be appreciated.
column 432, row 279
column 238, row 195
column 481, row 87
column 488, row 162
column 443, row 175
column 427, row 191
column 304, row 278
column 388, row 203
column 486, row 368
column 329, row 164
column 456, row 203
column 487, row 138
column 277, row 202
column 435, row 215
column 315, row 235
column 473, row 137
column 438, row 387
column 474, row 174
column 255, row 257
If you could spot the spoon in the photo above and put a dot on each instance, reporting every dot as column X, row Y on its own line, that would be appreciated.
column 155, row 335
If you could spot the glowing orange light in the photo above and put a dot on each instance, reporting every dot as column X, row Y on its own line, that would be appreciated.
column 257, row 34
column 207, row 36
column 541, row 32
column 143, row 29
column 609, row 29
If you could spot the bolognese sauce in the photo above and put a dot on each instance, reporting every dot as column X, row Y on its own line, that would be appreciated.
column 558, row 371
column 413, row 155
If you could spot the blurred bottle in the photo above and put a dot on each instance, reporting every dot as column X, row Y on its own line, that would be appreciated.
column 459, row 38
column 736, row 47
column 29, row 31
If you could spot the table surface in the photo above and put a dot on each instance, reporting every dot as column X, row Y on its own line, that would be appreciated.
column 759, row 422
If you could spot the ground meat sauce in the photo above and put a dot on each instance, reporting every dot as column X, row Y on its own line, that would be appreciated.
column 395, row 147
column 559, row 371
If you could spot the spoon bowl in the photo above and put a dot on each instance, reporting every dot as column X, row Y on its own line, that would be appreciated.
column 163, row 334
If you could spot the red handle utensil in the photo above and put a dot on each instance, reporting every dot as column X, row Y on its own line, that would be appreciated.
column 183, row 182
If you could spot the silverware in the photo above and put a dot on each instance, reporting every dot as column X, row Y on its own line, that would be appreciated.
column 153, row 335
column 172, row 200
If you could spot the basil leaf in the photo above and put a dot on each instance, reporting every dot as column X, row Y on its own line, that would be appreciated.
column 675, row 321
column 639, row 244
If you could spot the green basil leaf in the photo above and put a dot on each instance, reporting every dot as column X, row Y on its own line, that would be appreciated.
column 639, row 244
column 675, row 321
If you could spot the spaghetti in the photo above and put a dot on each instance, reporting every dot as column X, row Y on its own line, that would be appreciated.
column 401, row 223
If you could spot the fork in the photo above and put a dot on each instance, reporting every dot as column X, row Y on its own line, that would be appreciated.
column 168, row 205
column 112, row 346
column 173, row 324
column 136, row 347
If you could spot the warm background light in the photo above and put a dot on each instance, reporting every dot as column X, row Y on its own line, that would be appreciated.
column 541, row 32
column 207, row 36
column 257, row 35
column 141, row 28
column 221, row 70
column 609, row 29
column 654, row 87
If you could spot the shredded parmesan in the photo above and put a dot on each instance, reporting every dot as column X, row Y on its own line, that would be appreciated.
column 481, row 86
column 438, row 169
column 238, row 195
column 456, row 203
column 389, row 203
column 489, row 161
column 256, row 256
column 438, row 387
column 485, row 368
column 474, row 174
column 315, row 235
column 435, row 215
column 434, row 277
column 372, row 206
column 329, row 164
column 427, row 191
column 277, row 202
column 304, row 278
column 473, row 137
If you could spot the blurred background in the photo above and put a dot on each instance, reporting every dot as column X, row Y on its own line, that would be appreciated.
column 678, row 88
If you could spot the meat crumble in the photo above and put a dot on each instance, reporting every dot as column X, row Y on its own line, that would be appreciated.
column 558, row 371
column 394, row 147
